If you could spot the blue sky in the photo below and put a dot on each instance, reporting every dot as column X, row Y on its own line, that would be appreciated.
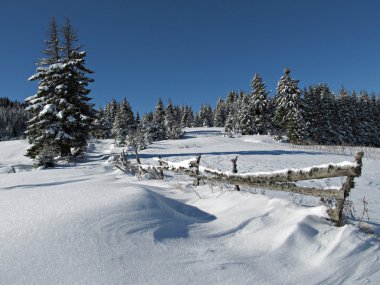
column 196, row 51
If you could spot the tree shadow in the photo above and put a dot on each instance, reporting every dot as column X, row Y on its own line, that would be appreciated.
column 43, row 184
column 250, row 152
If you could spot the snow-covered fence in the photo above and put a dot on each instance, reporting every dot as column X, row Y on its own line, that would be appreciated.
column 281, row 180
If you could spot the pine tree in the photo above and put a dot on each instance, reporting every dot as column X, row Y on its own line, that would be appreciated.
column 321, row 115
column 110, row 115
column 288, row 113
column 124, row 125
column 62, row 115
column 245, row 115
column 173, row 128
column 43, row 127
column 100, row 125
column 344, row 117
column 229, row 128
column 220, row 114
column 259, row 103
column 158, row 127
column 77, row 114
column 187, row 120
column 197, row 120
column 146, row 128
column 230, row 103
column 206, row 116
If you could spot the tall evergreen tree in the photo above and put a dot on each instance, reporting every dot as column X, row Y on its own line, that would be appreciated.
column 288, row 113
column 62, row 115
column 173, row 127
column 77, row 113
column 245, row 115
column 220, row 114
column 206, row 115
column 110, row 111
column 43, row 126
column 187, row 120
column 158, row 127
column 260, row 108
column 344, row 117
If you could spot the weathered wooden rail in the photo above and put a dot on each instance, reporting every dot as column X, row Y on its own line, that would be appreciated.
column 281, row 180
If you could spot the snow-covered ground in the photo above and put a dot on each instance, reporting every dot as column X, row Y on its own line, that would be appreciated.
column 89, row 223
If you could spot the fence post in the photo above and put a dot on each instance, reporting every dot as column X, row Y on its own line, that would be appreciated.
column 337, row 214
column 161, row 169
column 234, row 170
column 196, row 182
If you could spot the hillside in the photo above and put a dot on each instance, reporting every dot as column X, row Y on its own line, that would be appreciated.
column 89, row 223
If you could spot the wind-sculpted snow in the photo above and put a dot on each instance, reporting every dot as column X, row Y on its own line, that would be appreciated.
column 89, row 223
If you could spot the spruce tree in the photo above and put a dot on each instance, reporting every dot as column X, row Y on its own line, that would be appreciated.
column 344, row 117
column 62, row 115
column 245, row 115
column 259, row 103
column 43, row 127
column 220, row 114
column 288, row 113
column 110, row 115
column 187, row 120
column 77, row 113
column 173, row 128
column 158, row 127
column 206, row 116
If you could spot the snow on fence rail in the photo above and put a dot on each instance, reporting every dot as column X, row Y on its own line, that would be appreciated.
column 280, row 180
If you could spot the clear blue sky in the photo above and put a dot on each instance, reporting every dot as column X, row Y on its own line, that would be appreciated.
column 194, row 51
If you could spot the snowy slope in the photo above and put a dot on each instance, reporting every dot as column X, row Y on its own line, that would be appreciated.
column 91, row 224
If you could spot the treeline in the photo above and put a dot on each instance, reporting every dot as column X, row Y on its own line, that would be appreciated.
column 118, row 121
column 13, row 119
column 315, row 115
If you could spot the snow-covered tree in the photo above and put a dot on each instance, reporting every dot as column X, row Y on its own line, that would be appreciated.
column 187, row 120
column 288, row 113
column 62, row 117
column 158, row 127
column 43, row 127
column 206, row 115
column 110, row 111
column 76, row 113
column 100, row 125
column 124, row 124
column 259, row 104
column 245, row 115
column 172, row 124
column 220, row 114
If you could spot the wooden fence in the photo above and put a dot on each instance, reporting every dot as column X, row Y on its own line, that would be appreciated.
column 282, row 180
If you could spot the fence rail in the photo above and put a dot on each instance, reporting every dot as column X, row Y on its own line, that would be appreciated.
column 281, row 180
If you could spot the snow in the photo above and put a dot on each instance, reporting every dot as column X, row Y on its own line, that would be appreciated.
column 48, row 108
column 43, row 87
column 50, row 131
column 71, row 119
column 62, row 135
column 278, row 172
column 89, row 223
column 60, row 114
column 185, row 164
